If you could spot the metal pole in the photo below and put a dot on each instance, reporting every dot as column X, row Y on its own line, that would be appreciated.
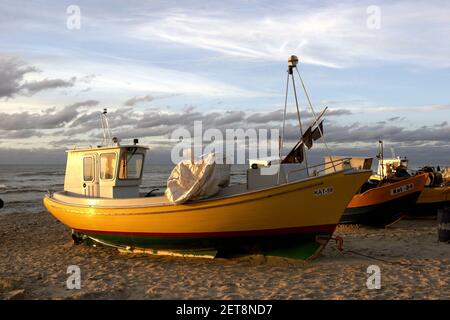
column 282, row 131
column 382, row 158
column 103, row 128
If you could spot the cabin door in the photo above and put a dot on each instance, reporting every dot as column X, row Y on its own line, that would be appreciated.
column 90, row 176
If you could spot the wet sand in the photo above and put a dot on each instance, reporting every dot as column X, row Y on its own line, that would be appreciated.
column 35, row 251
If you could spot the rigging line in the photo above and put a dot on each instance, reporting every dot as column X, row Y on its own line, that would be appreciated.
column 282, row 131
column 299, row 121
column 384, row 260
column 315, row 117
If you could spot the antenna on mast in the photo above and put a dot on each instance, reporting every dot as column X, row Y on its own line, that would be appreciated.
column 380, row 156
column 107, row 135
column 297, row 154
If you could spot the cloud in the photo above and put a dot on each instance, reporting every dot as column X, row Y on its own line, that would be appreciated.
column 417, row 155
column 33, row 87
column 158, row 123
column 20, row 134
column 228, row 117
column 329, row 35
column 77, row 123
column 12, row 82
column 87, row 103
column 50, row 118
column 371, row 133
column 277, row 115
column 135, row 100
column 12, row 71
column 421, row 108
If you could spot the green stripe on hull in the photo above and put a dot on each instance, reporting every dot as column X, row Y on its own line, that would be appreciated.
column 299, row 252
column 295, row 246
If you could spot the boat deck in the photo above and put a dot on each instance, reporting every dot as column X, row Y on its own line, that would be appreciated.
column 157, row 200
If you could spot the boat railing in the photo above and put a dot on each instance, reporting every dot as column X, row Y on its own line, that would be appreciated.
column 87, row 146
column 333, row 163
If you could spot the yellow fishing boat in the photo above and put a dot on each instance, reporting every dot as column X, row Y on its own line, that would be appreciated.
column 274, row 215
column 301, row 216
column 435, row 195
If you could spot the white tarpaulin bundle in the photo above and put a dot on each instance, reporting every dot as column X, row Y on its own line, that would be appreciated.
column 196, row 180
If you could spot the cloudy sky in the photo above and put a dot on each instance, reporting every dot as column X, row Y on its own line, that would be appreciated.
column 381, row 67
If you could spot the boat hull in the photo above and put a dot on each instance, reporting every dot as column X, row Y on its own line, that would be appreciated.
column 430, row 201
column 300, row 243
column 384, row 205
column 380, row 215
column 294, row 217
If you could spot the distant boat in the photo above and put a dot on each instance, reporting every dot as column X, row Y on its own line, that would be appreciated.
column 382, row 203
column 387, row 196
column 272, row 215
column 435, row 195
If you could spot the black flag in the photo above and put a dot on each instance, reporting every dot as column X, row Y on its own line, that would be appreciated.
column 295, row 156
column 299, row 156
column 317, row 133
column 307, row 138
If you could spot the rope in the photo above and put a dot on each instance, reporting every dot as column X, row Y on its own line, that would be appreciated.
column 340, row 247
column 315, row 117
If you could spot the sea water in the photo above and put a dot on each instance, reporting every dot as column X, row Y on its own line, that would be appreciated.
column 22, row 187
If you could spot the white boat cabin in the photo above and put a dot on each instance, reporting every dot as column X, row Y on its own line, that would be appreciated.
column 105, row 172
column 388, row 166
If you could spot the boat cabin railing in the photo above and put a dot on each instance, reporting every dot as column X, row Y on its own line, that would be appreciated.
column 334, row 163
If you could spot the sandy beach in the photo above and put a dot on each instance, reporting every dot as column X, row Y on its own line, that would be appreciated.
column 36, row 250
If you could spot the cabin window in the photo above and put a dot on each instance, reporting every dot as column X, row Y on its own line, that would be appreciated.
column 131, row 165
column 88, row 169
column 107, row 166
